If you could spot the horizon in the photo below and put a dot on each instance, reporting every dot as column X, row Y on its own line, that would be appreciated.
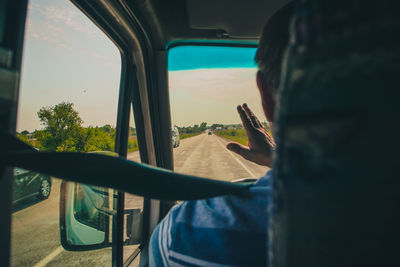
column 113, row 126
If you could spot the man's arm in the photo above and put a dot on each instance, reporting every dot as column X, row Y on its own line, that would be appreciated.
column 211, row 232
column 260, row 142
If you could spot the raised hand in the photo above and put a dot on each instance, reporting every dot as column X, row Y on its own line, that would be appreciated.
column 260, row 142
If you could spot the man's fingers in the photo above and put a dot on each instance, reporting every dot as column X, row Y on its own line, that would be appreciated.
column 259, row 123
column 247, row 124
column 252, row 117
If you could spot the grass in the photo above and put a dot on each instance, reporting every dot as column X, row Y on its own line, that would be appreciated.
column 233, row 135
column 187, row 135
column 132, row 143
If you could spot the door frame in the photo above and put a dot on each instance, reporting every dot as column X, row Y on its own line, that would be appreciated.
column 12, row 27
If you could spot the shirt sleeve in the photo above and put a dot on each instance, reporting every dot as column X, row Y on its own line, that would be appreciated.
column 221, row 231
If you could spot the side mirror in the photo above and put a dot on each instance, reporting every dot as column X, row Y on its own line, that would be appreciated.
column 86, row 217
column 86, row 214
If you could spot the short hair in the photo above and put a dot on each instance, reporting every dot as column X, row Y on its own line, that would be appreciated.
column 273, row 43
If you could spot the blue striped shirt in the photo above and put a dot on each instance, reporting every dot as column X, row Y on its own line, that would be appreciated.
column 222, row 231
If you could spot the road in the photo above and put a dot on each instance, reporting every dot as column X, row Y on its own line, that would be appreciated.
column 35, row 224
column 206, row 156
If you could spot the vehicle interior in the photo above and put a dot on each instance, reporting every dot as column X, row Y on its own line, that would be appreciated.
column 335, row 197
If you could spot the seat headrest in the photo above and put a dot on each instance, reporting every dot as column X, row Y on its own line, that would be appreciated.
column 337, row 157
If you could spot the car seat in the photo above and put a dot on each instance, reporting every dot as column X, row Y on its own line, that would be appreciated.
column 336, row 187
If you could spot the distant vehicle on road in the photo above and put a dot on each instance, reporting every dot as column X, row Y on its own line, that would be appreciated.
column 209, row 133
column 175, row 137
column 29, row 184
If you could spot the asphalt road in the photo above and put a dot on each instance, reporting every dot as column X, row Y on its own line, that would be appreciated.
column 206, row 156
column 35, row 224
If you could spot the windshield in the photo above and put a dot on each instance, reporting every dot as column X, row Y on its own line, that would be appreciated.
column 206, row 83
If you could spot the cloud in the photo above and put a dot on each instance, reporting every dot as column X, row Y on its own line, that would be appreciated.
column 47, row 32
column 40, row 28
column 65, row 27
column 51, row 22
column 69, row 16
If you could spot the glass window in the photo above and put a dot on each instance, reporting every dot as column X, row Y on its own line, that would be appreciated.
column 133, row 206
column 68, row 102
column 206, row 83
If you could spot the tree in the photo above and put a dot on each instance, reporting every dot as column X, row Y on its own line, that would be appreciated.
column 63, row 130
column 98, row 139
column 108, row 128
column 203, row 126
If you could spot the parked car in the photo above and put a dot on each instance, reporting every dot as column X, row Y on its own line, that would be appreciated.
column 29, row 184
column 175, row 137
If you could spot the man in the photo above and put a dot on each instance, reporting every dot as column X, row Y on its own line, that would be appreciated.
column 231, row 230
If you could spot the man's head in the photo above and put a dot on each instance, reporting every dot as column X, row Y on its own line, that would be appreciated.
column 269, row 57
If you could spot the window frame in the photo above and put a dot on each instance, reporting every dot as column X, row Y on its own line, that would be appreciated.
column 125, row 31
column 12, row 28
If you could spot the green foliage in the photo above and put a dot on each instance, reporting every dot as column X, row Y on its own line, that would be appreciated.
column 132, row 131
column 23, row 138
column 26, row 138
column 98, row 139
column 63, row 131
column 203, row 126
column 187, row 135
column 215, row 125
column 62, row 128
column 132, row 144
column 234, row 135
column 185, row 132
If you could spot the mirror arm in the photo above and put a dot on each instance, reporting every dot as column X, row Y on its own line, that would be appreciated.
column 106, row 211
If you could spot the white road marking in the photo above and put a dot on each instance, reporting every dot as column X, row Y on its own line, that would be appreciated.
column 49, row 257
column 241, row 163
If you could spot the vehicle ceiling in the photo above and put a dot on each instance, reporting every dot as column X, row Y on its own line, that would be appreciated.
column 174, row 21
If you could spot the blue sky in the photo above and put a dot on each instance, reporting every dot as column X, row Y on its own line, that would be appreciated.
column 67, row 58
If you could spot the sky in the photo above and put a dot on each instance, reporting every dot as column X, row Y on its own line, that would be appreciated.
column 211, row 95
column 67, row 58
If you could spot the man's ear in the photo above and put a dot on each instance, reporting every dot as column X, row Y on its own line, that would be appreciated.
column 267, row 96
